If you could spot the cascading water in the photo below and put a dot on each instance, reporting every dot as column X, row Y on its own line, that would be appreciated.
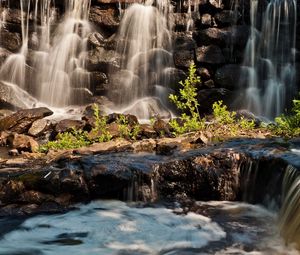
column 270, row 57
column 290, row 210
column 145, row 45
column 63, row 67
column 57, row 73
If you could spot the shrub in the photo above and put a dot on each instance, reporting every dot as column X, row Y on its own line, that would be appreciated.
column 100, row 126
column 289, row 125
column 187, row 102
column 125, row 130
column 222, row 115
column 67, row 140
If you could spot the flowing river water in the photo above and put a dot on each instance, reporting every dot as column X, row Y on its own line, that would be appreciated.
column 114, row 227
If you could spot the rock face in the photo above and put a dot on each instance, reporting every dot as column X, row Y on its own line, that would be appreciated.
column 211, row 173
column 21, row 121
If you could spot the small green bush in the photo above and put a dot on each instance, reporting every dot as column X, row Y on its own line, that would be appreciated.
column 187, row 102
column 100, row 126
column 246, row 124
column 222, row 115
column 125, row 130
column 67, row 140
column 289, row 125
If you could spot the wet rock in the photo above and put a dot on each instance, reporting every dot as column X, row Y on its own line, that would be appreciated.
column 22, row 120
column 161, row 127
column 11, row 191
column 69, row 125
column 206, row 20
column 38, row 127
column 211, row 36
column 130, row 119
column 184, row 58
column 228, row 76
column 9, row 96
column 208, row 96
column 217, row 4
column 114, row 130
column 204, row 73
column 184, row 42
column 102, row 60
column 239, row 35
column 227, row 18
column 147, row 145
column 209, row 84
column 98, row 81
column 10, row 41
column 171, row 77
column 180, row 21
column 107, row 147
column 4, row 54
column 201, row 178
column 95, row 40
column 147, row 131
column 106, row 19
column 22, row 143
column 211, row 54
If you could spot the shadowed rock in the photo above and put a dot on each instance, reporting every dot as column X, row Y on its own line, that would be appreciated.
column 22, row 120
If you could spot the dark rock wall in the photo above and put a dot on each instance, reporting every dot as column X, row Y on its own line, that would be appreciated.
column 216, row 43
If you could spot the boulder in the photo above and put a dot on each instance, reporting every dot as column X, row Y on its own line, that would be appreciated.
column 102, row 60
column 180, row 21
column 216, row 4
column 98, row 82
column 184, row 42
column 161, row 127
column 228, row 76
column 10, row 41
column 211, row 54
column 212, row 35
column 22, row 143
column 204, row 73
column 38, row 127
column 206, row 20
column 106, row 19
column 22, row 120
column 95, row 40
column 147, row 131
column 68, row 125
column 171, row 77
column 206, row 98
column 9, row 96
column 184, row 58
column 4, row 54
column 227, row 18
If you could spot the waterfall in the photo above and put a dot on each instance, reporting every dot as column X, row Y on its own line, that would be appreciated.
column 57, row 67
column 289, row 217
column 269, row 60
column 144, row 42
column 61, row 66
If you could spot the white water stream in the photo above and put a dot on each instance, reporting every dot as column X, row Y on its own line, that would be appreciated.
column 112, row 227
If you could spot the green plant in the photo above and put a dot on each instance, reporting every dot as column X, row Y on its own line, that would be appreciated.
column 187, row 102
column 100, row 128
column 246, row 124
column 221, row 114
column 186, row 124
column 125, row 130
column 289, row 125
column 67, row 140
